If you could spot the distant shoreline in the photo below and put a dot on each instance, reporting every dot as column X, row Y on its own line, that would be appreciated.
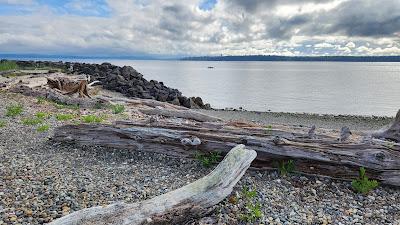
column 296, row 58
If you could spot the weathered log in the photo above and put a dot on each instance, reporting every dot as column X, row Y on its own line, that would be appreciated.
column 322, row 155
column 393, row 132
column 190, row 201
column 185, row 114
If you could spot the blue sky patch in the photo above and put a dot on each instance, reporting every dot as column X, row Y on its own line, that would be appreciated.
column 207, row 4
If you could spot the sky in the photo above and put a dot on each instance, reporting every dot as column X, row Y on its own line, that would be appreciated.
column 200, row 27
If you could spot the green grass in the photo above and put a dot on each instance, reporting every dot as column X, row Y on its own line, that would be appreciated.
column 66, row 106
column 64, row 117
column 209, row 159
column 285, row 168
column 14, row 110
column 42, row 115
column 116, row 109
column 41, row 100
column 363, row 184
column 43, row 128
column 32, row 121
column 2, row 123
column 8, row 65
column 92, row 119
column 253, row 213
column 249, row 194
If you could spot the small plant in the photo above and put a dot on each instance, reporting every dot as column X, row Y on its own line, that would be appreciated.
column 8, row 65
column 43, row 128
column 208, row 159
column 249, row 194
column 32, row 121
column 286, row 167
column 269, row 129
column 92, row 119
column 59, row 105
column 2, row 123
column 14, row 110
column 116, row 109
column 253, row 212
column 363, row 184
column 42, row 115
column 64, row 117
column 40, row 100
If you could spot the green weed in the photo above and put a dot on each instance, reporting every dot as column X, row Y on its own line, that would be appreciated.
column 363, row 184
column 32, row 121
column 66, row 106
column 43, row 128
column 285, row 168
column 14, row 110
column 40, row 100
column 92, row 119
column 249, row 194
column 208, row 159
column 268, row 129
column 8, row 65
column 253, row 213
column 2, row 123
column 116, row 109
column 64, row 117
column 42, row 115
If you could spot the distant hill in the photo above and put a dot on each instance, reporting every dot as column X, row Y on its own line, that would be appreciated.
column 296, row 58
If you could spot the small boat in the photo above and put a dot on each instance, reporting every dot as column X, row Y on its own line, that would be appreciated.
column 210, row 67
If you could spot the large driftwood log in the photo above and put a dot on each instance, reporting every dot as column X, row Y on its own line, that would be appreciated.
column 190, row 201
column 185, row 114
column 322, row 155
column 393, row 132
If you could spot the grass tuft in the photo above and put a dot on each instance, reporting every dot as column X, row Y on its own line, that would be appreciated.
column 64, row 117
column 8, row 65
column 286, row 167
column 116, row 109
column 2, row 123
column 92, row 119
column 43, row 128
column 14, row 110
column 209, row 159
column 42, row 115
column 32, row 121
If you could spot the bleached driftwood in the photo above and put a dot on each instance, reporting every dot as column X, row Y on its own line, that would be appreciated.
column 322, row 155
column 393, row 132
column 185, row 114
column 190, row 201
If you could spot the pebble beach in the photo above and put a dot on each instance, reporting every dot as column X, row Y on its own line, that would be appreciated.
column 41, row 180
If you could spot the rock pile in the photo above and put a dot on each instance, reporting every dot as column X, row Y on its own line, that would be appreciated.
column 125, row 80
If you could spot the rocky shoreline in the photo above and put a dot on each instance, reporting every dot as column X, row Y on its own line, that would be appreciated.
column 125, row 80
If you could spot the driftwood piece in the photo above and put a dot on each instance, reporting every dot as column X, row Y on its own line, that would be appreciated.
column 322, row 155
column 190, row 201
column 185, row 114
column 393, row 132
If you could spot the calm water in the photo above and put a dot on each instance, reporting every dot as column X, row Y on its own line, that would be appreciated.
column 313, row 87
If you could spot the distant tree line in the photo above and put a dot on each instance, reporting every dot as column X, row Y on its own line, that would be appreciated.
column 296, row 58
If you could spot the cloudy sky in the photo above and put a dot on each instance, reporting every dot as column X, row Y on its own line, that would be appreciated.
column 200, row 27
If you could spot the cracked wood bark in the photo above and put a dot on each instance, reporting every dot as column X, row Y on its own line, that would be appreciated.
column 393, row 132
column 322, row 155
column 192, row 200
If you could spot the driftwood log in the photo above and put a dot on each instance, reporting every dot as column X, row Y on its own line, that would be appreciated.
column 393, row 132
column 190, row 201
column 322, row 155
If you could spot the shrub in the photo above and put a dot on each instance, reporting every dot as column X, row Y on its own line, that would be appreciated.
column 32, row 121
column 64, row 117
column 43, row 128
column 286, row 167
column 7, row 65
column 14, row 110
column 92, row 119
column 363, row 184
column 208, row 159
column 2, row 123
column 118, row 109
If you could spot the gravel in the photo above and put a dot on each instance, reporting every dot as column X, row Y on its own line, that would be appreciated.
column 41, row 180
